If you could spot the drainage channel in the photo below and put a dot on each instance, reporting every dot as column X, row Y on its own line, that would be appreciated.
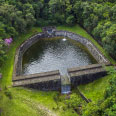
column 65, row 84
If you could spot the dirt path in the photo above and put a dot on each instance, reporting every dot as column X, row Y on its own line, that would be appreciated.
column 44, row 111
column 49, row 112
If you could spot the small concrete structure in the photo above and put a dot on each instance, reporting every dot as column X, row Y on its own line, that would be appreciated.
column 52, row 80
column 49, row 30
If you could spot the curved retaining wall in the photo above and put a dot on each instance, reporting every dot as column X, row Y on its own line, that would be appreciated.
column 21, row 50
column 74, row 79
column 91, row 47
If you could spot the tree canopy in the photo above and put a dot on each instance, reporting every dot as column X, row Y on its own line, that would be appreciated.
column 97, row 17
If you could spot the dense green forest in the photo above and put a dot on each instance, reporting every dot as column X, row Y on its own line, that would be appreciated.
column 97, row 17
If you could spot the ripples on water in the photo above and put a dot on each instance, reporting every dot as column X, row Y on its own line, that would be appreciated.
column 55, row 54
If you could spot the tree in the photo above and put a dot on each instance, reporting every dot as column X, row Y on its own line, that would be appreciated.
column 97, row 31
column 110, row 40
column 2, row 30
column 91, row 109
column 113, row 13
column 2, row 52
column 37, row 6
column 77, row 9
column 70, row 20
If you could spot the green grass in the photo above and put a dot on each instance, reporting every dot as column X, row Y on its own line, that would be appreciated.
column 7, row 68
column 96, row 89
column 15, row 107
column 25, row 102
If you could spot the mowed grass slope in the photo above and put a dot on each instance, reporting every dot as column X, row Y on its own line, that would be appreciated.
column 25, row 102
column 20, row 101
column 7, row 68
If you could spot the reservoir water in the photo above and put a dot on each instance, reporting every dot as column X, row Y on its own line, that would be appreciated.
column 55, row 54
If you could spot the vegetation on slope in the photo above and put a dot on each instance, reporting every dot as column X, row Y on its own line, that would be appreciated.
column 105, row 106
column 14, row 96
column 96, row 16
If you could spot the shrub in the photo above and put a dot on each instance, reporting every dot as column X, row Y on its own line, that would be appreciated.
column 70, row 20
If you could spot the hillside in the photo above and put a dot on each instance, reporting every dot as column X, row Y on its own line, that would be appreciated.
column 93, row 19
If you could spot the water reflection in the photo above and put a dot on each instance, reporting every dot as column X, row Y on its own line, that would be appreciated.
column 55, row 54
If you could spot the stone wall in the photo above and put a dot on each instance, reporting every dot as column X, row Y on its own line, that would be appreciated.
column 91, row 47
column 21, row 50
column 86, row 74
column 42, row 81
column 53, row 85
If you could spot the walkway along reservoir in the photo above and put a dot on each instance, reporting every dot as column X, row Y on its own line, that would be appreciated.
column 54, row 60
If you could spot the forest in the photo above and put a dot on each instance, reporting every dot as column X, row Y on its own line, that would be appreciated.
column 97, row 17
